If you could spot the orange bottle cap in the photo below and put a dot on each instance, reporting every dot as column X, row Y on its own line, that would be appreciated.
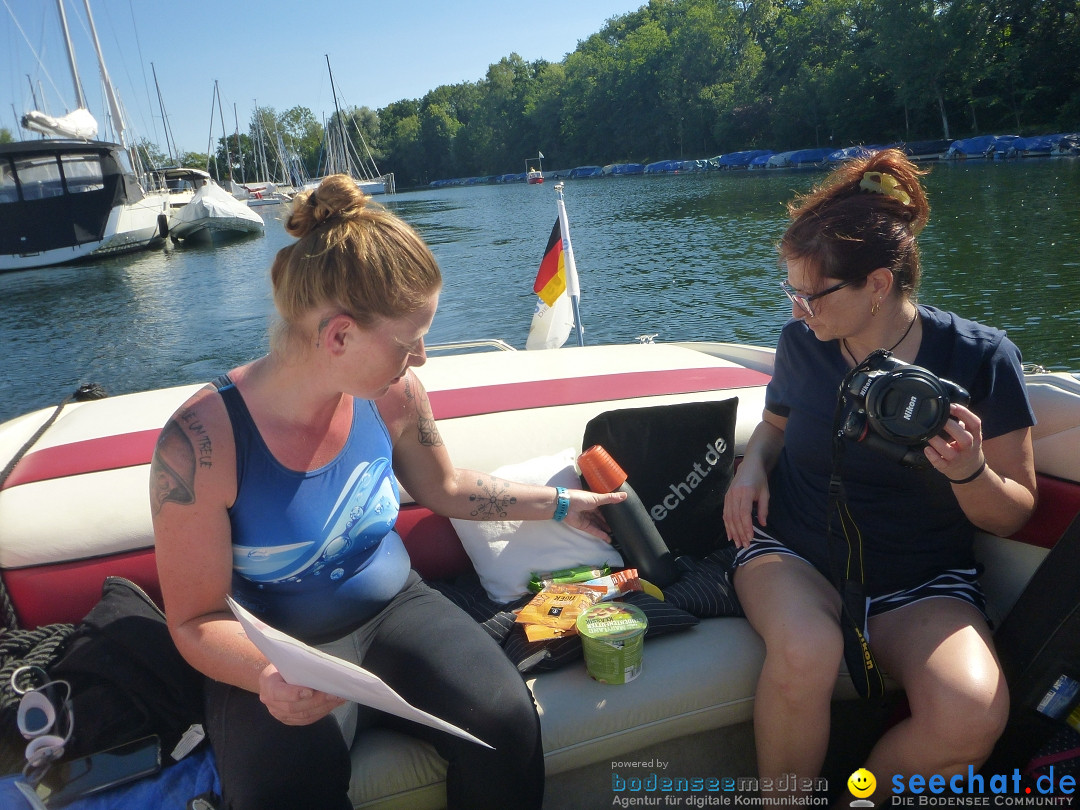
column 602, row 473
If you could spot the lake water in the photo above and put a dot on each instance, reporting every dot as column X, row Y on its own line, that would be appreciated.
column 686, row 257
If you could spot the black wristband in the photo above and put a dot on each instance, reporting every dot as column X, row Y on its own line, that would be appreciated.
column 971, row 477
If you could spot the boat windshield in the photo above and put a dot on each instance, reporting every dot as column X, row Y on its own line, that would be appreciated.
column 44, row 176
column 39, row 176
column 83, row 173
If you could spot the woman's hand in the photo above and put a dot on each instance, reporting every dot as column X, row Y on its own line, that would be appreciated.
column 584, row 511
column 750, row 486
column 961, row 455
column 293, row 705
column 993, row 479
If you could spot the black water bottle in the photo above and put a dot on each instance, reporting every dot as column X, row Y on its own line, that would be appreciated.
column 629, row 520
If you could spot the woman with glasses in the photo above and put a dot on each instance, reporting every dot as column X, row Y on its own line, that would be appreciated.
column 278, row 484
column 853, row 271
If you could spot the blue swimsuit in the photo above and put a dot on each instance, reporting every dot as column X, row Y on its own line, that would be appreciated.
column 314, row 553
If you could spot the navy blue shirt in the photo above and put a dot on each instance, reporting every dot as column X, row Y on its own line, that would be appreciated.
column 911, row 523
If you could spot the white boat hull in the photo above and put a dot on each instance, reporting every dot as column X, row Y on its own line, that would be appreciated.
column 76, row 508
column 132, row 227
column 98, row 209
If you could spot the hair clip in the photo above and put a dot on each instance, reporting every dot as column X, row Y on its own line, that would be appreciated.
column 884, row 183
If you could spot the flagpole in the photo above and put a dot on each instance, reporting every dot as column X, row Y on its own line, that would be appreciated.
column 573, row 289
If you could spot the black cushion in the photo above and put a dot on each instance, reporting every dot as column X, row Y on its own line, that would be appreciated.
column 679, row 460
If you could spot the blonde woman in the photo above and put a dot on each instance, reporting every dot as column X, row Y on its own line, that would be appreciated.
column 279, row 485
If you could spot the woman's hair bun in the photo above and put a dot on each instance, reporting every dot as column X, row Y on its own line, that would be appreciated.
column 336, row 197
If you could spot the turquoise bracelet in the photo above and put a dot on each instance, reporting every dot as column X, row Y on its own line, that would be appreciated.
column 562, row 503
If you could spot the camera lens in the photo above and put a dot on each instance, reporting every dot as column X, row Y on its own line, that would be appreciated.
column 908, row 405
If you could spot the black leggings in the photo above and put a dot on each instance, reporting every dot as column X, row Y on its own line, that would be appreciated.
column 435, row 657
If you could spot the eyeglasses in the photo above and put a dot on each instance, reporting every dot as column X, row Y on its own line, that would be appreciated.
column 802, row 300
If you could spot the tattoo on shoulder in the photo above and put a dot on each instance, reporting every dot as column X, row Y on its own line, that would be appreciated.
column 182, row 448
column 493, row 499
column 427, row 429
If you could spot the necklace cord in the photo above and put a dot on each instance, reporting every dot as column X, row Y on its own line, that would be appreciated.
column 903, row 337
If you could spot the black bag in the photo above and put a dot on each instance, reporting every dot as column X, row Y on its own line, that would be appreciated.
column 127, row 678
column 679, row 460
column 1038, row 644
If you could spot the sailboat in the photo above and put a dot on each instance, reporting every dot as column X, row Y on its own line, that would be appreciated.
column 341, row 156
column 200, row 209
column 68, row 197
column 273, row 187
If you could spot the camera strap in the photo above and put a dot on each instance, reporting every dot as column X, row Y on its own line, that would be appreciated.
column 846, row 555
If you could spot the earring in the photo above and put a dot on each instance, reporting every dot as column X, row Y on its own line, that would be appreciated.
column 874, row 307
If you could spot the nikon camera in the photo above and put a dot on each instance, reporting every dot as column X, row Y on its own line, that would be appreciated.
column 898, row 408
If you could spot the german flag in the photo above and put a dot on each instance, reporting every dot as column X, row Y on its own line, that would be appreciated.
column 551, row 280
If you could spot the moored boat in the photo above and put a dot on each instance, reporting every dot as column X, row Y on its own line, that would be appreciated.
column 62, row 201
column 200, row 209
column 534, row 170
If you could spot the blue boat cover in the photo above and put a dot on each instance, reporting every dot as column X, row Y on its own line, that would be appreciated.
column 660, row 166
column 733, row 160
column 586, row 171
column 851, row 152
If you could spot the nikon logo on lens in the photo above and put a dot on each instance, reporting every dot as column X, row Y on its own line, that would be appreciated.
column 910, row 409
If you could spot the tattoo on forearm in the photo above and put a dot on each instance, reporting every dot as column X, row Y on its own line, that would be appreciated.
column 172, row 470
column 493, row 499
column 427, row 429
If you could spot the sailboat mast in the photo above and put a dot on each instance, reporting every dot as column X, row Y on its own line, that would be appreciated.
column 224, row 132
column 110, row 93
column 239, row 149
column 164, row 117
column 80, row 99
column 340, row 123
column 210, row 152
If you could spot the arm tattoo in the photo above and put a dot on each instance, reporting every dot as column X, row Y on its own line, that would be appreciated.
column 491, row 502
column 427, row 430
column 172, row 470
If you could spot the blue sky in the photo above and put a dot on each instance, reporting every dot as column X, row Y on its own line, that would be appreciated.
column 271, row 52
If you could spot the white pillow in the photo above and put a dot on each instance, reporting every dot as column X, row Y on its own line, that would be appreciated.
column 505, row 552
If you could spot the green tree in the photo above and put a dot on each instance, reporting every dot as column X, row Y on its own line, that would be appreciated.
column 193, row 160
column 909, row 47
column 151, row 154
column 399, row 125
column 6, row 136
column 302, row 135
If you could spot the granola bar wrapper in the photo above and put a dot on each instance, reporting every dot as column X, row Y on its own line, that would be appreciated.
column 617, row 583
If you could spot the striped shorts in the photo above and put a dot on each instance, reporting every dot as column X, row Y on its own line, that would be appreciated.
column 955, row 583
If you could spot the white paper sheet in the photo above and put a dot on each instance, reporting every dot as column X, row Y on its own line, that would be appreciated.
column 302, row 665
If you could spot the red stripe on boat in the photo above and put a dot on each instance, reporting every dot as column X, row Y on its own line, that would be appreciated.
column 574, row 390
column 133, row 449
column 89, row 455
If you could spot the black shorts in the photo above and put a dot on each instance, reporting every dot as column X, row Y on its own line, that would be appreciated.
column 954, row 583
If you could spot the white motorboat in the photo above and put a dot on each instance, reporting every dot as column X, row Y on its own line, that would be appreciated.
column 200, row 209
column 69, row 197
column 691, row 707
column 63, row 200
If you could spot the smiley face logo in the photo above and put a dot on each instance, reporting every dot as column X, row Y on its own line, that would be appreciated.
column 861, row 783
